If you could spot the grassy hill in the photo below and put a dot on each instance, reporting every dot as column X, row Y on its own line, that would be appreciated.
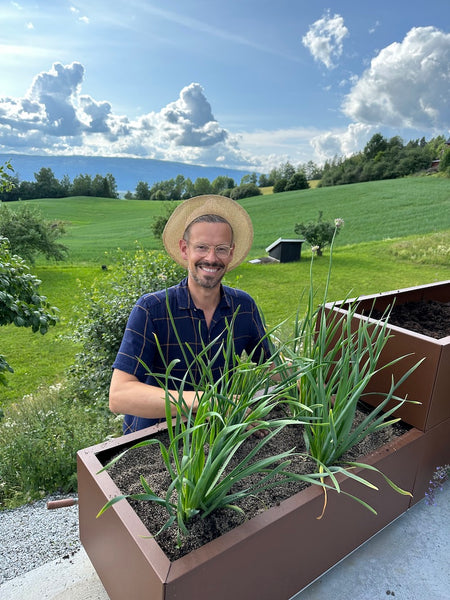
column 396, row 234
column 372, row 211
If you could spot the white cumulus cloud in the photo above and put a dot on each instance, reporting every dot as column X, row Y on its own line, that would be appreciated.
column 406, row 88
column 343, row 142
column 324, row 39
column 407, row 84
column 54, row 117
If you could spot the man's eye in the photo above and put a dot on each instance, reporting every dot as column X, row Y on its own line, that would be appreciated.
column 223, row 250
column 201, row 248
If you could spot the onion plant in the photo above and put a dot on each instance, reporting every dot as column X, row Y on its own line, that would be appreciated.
column 203, row 442
column 343, row 359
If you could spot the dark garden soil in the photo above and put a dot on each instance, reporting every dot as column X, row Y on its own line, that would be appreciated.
column 147, row 462
column 428, row 318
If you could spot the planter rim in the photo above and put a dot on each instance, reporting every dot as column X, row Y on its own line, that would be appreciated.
column 391, row 292
column 340, row 307
column 415, row 334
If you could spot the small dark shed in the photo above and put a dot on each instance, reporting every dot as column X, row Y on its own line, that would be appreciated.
column 285, row 250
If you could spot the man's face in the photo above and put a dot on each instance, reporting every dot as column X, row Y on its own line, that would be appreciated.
column 207, row 270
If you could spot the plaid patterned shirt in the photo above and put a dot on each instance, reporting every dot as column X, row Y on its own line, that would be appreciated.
column 150, row 321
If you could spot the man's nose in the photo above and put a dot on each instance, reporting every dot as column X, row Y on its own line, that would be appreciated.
column 211, row 256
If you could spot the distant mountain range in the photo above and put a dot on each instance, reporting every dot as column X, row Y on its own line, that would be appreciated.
column 126, row 171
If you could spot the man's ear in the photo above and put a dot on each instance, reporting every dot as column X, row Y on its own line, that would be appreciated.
column 183, row 248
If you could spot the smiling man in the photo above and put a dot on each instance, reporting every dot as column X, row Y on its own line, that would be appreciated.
column 209, row 236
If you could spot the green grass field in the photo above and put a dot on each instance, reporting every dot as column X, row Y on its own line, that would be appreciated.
column 396, row 234
column 372, row 211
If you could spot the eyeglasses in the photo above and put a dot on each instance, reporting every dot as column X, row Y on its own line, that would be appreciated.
column 221, row 251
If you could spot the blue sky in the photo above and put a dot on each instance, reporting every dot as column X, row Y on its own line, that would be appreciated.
column 234, row 83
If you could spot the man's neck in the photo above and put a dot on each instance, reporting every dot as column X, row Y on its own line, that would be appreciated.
column 206, row 299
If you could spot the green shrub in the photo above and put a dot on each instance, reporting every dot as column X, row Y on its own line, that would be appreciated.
column 160, row 222
column 20, row 301
column 444, row 165
column 247, row 190
column 298, row 181
column 29, row 234
column 279, row 186
column 39, row 439
column 107, row 307
column 319, row 234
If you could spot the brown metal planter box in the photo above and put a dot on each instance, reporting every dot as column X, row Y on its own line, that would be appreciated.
column 270, row 557
column 430, row 383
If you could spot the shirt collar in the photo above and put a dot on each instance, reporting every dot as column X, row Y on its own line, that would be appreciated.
column 184, row 300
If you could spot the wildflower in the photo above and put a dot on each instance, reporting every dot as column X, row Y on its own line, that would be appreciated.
column 314, row 249
column 440, row 476
column 339, row 223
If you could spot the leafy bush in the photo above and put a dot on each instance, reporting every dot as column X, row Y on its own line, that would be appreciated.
column 6, row 182
column 444, row 165
column 20, row 302
column 319, row 234
column 107, row 307
column 159, row 223
column 30, row 234
column 247, row 190
column 297, row 182
column 39, row 439
column 279, row 186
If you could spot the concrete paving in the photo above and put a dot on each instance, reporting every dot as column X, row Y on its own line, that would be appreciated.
column 408, row 560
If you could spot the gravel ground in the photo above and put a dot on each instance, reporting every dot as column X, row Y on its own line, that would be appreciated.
column 32, row 535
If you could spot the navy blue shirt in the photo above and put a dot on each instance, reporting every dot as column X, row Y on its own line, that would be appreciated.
column 150, row 320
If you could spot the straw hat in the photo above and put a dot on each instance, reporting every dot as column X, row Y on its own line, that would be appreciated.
column 209, row 204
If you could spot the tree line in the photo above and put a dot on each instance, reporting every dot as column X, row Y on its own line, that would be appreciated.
column 285, row 177
column 384, row 158
column 381, row 158
column 46, row 185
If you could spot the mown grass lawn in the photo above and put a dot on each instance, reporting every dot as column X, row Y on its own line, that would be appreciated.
column 396, row 234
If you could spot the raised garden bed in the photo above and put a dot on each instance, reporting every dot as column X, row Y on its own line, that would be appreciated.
column 269, row 557
column 430, row 383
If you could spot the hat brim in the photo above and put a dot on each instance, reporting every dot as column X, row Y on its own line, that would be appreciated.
column 195, row 207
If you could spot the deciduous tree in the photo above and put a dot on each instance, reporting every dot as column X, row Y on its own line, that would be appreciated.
column 30, row 234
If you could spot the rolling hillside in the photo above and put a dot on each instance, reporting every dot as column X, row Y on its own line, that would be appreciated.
column 372, row 211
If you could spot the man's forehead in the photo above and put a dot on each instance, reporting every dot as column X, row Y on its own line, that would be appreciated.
column 206, row 227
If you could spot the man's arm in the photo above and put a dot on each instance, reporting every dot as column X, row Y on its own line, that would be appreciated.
column 128, row 395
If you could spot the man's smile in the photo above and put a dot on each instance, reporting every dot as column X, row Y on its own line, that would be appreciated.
column 209, row 268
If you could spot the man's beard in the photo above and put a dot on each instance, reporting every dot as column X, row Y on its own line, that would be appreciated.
column 207, row 280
